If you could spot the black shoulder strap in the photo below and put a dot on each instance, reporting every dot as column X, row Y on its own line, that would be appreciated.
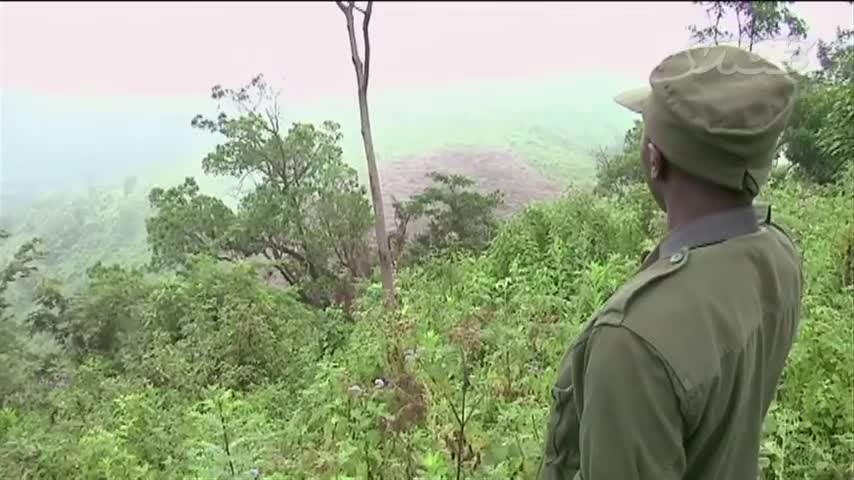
column 777, row 227
column 763, row 213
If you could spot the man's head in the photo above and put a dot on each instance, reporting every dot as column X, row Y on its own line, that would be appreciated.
column 670, row 184
column 712, row 120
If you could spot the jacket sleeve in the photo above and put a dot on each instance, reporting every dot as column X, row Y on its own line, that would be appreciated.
column 631, row 421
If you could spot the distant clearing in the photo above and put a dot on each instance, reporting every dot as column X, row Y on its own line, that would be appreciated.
column 496, row 169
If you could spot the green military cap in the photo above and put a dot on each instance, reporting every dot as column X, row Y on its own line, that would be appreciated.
column 716, row 113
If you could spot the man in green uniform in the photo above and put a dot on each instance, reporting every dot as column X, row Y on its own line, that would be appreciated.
column 673, row 376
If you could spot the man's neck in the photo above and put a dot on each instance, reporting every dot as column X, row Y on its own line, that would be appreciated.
column 690, row 208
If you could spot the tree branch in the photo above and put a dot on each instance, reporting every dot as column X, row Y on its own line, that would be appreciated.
column 752, row 32
column 286, row 250
column 289, row 277
column 365, row 23
column 354, row 49
column 225, row 437
column 279, row 265
column 341, row 251
column 740, row 27
column 720, row 14
column 273, row 129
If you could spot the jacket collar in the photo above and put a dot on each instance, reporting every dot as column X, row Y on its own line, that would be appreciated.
column 711, row 229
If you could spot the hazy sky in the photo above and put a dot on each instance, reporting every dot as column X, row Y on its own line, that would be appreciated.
column 115, row 84
column 183, row 48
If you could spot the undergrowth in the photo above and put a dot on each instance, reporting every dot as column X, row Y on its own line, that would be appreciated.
column 228, row 379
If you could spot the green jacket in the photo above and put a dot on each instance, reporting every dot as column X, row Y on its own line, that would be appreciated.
column 673, row 376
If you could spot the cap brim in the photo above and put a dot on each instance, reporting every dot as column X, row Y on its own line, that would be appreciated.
column 634, row 99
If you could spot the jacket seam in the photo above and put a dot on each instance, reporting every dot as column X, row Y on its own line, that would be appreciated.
column 682, row 392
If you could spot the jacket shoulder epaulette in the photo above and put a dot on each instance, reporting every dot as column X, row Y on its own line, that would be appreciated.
column 645, row 281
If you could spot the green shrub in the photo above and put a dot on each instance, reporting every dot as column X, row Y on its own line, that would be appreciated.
column 230, row 377
column 457, row 219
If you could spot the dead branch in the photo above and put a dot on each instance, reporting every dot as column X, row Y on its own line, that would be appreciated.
column 362, row 75
column 362, row 67
column 367, row 21
column 344, row 7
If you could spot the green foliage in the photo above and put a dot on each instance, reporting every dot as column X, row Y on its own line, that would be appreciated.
column 809, row 432
column 230, row 378
column 836, row 135
column 819, row 138
column 77, row 230
column 755, row 22
column 837, row 57
column 458, row 219
column 19, row 267
column 621, row 174
column 801, row 137
column 846, row 241
column 219, row 325
column 617, row 171
column 102, row 320
column 305, row 212
column 186, row 223
column 13, row 349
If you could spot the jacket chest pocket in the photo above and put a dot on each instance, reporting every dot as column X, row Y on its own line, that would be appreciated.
column 562, row 434
column 562, row 451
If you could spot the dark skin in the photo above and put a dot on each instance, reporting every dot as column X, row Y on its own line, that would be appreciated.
column 684, row 198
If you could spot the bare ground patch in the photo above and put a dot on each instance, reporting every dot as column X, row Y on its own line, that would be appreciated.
column 491, row 170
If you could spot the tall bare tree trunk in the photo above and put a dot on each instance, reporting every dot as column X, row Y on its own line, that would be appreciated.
column 362, row 76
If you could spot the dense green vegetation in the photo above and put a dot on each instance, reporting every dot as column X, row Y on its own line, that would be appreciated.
column 196, row 335
column 193, row 375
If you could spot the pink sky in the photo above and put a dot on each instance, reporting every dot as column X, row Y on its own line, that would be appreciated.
column 184, row 48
